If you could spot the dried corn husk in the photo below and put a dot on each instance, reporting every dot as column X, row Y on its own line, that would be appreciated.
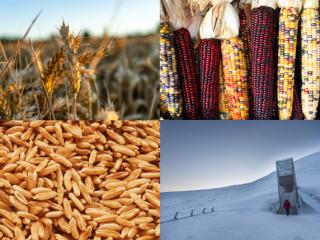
column 297, row 4
column 178, row 12
column 195, row 25
column 221, row 21
column 201, row 5
column 218, row 2
column 163, row 16
column 313, row 4
column 245, row 1
column 206, row 27
column 266, row 3
column 244, row 4
column 181, row 15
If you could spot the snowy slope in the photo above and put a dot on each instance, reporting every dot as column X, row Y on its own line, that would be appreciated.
column 244, row 211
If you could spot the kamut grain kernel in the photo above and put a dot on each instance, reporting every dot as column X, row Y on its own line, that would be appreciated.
column 82, row 180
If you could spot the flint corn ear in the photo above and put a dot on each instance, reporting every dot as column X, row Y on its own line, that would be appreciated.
column 209, row 60
column 187, row 73
column 310, row 64
column 245, row 35
column 287, row 42
column 263, row 62
column 235, row 77
column 170, row 93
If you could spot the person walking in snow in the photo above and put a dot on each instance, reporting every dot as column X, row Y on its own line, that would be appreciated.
column 287, row 206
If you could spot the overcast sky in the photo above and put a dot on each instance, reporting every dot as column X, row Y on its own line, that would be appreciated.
column 117, row 16
column 210, row 154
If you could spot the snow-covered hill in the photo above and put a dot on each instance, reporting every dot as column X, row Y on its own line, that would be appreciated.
column 244, row 211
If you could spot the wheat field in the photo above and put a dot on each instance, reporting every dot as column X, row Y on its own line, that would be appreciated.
column 71, row 76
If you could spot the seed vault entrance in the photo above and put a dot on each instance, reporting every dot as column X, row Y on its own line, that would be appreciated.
column 287, row 185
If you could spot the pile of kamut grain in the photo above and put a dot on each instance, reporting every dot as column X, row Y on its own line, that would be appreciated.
column 79, row 180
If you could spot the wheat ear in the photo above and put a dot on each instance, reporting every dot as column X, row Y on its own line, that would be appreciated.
column 72, row 63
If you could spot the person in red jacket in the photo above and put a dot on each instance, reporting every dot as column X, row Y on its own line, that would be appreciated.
column 287, row 206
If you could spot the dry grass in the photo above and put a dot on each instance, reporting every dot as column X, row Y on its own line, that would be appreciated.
column 69, row 77
column 79, row 180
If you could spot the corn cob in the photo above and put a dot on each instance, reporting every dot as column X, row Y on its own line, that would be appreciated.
column 288, row 28
column 263, row 65
column 297, row 113
column 164, row 81
column 187, row 73
column 209, row 58
column 170, row 93
column 223, row 103
column 245, row 35
column 310, row 65
column 245, row 31
column 275, row 115
column 235, row 77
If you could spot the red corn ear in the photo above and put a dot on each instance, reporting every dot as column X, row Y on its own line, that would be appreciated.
column 187, row 73
column 297, row 113
column 209, row 60
column 263, row 62
column 275, row 94
column 245, row 35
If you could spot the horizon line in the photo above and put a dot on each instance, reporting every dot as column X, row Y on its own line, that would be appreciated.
column 137, row 34
column 226, row 186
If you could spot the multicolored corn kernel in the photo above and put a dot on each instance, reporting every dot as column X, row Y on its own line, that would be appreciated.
column 170, row 92
column 245, row 35
column 223, row 102
column 288, row 28
column 235, row 77
column 310, row 64
column 297, row 113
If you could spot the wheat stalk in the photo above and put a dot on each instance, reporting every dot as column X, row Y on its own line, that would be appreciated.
column 89, row 55
column 14, row 94
column 41, row 76
column 5, row 110
column 72, row 63
column 54, row 70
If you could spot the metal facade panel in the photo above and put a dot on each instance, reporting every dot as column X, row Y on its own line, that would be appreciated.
column 287, row 185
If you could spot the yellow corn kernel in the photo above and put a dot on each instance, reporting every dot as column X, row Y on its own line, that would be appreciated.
column 310, row 62
column 235, row 78
column 288, row 28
